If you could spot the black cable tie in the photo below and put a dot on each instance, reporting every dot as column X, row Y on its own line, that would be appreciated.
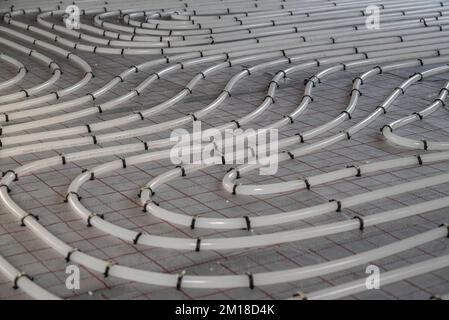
column 94, row 140
column 238, row 172
column 136, row 238
column 16, row 177
column 108, row 268
column 8, row 189
column 147, row 203
column 26, row 92
column 419, row 115
column 361, row 222
column 92, row 95
column 192, row 115
column 441, row 101
column 306, row 82
column 198, row 245
column 289, row 117
column 17, row 277
column 229, row 94
column 6, row 117
column 272, row 100
column 421, row 77
column 386, row 126
column 72, row 192
column 308, row 96
column 425, row 144
column 290, row 154
column 183, row 170
column 135, row 68
column 360, row 92
column 348, row 135
column 140, row 114
column 358, row 78
column 56, row 94
column 121, row 79
column 421, row 62
column 237, row 123
column 69, row 254
column 234, row 189
column 202, row 73
column 359, row 171
column 399, row 88
column 124, row 163
column 347, row 113
column 423, row 20
column 250, row 280
column 380, row 69
column 63, row 159
column 420, row 162
column 92, row 215
column 188, row 89
column 157, row 75
column 338, row 204
column 444, row 89
column 179, row 280
column 22, row 220
column 136, row 91
column 344, row 66
column 308, row 186
column 272, row 81
column 152, row 193
column 383, row 109
column 223, row 160
column 192, row 224
column 145, row 144
column 301, row 137
column 285, row 74
column 247, row 70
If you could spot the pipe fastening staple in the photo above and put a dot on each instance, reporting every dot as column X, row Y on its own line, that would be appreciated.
column 359, row 171
column 179, row 276
column 69, row 254
column 109, row 265
column 22, row 220
column 93, row 215
column 18, row 276
column 338, row 204
column 361, row 222
column 137, row 237
column 250, row 280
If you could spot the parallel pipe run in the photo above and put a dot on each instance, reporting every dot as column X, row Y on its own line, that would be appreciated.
column 173, row 123
column 229, row 179
column 133, row 93
column 386, row 278
column 388, row 131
